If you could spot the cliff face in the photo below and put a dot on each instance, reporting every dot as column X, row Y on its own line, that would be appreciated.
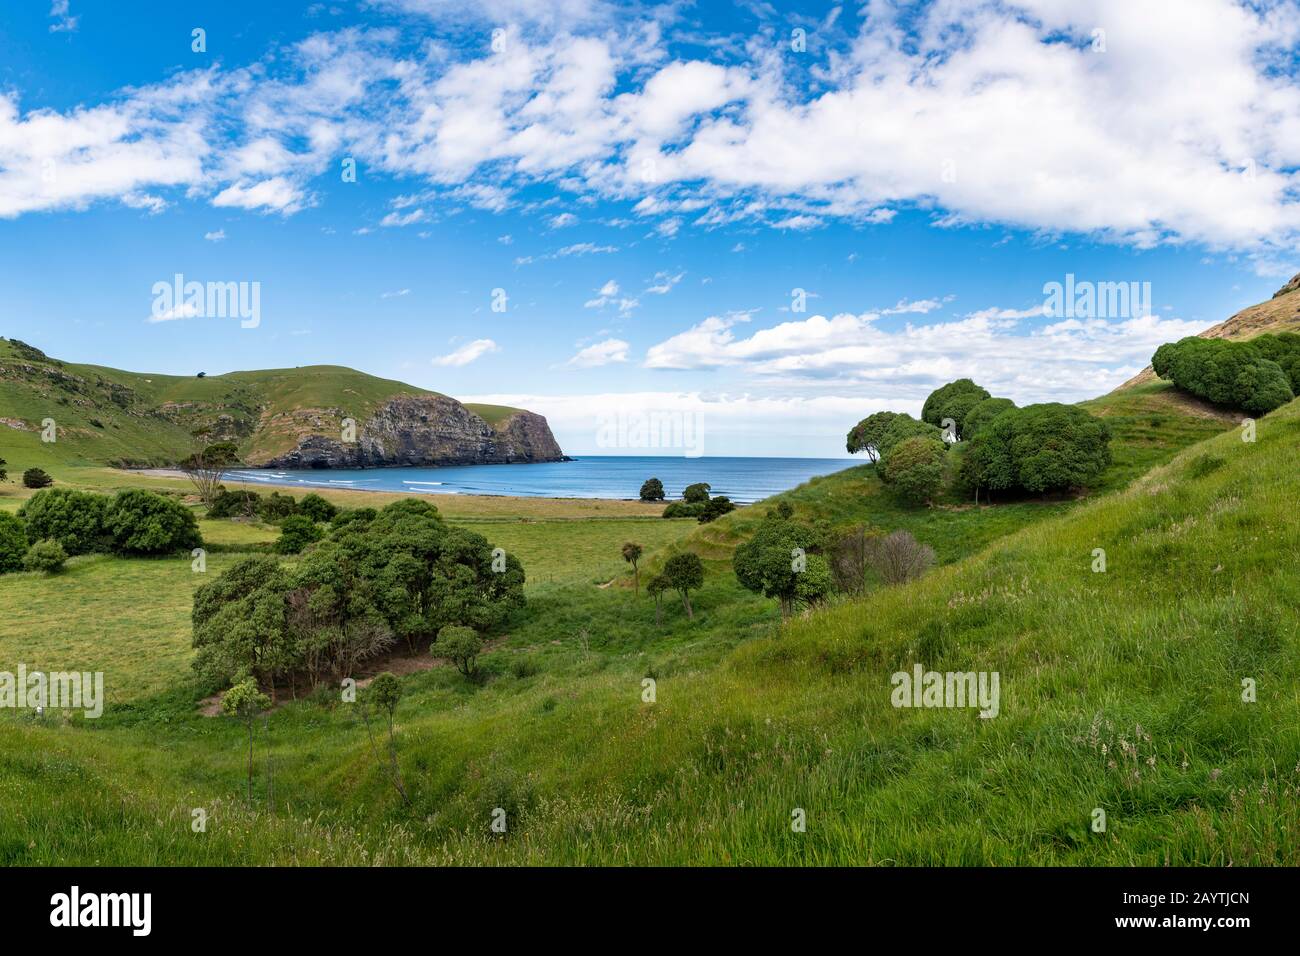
column 425, row 430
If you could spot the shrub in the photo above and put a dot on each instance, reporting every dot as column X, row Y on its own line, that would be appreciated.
column 277, row 507
column 697, row 493
column 685, row 573
column 75, row 519
column 866, row 435
column 317, row 508
column 36, row 478
column 46, row 555
column 899, row 557
column 954, row 401
column 652, row 490
column 235, row 504
column 914, row 469
column 848, row 559
column 715, row 508
column 1247, row 375
column 903, row 427
column 358, row 516
column 981, row 413
column 461, row 646
column 4, row 474
column 296, row 532
column 1038, row 448
column 683, row 509
column 13, row 542
column 141, row 522
column 776, row 563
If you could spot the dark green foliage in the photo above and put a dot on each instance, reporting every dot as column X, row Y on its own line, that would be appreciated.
column 1038, row 449
column 75, row 519
column 140, row 522
column 4, row 475
column 241, row 624
column 13, row 542
column 715, row 508
column 697, row 493
column 296, row 532
column 277, row 507
column 685, row 573
column 981, row 413
column 684, row 509
column 235, row 504
column 914, row 469
column 953, row 401
column 358, row 515
column 778, row 562
column 652, row 490
column 866, row 435
column 1256, row 376
column 36, row 478
column 903, row 427
column 317, row 508
column 47, row 556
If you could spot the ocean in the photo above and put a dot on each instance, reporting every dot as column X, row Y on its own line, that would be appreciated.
column 743, row 480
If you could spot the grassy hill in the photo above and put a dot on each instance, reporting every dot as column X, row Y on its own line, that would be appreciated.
column 108, row 415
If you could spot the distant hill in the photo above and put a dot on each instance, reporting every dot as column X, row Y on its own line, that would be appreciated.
column 1279, row 314
column 318, row 416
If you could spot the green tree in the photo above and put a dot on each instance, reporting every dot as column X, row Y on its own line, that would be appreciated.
column 13, row 542
column 383, row 695
column 296, row 533
column 36, row 478
column 656, row 588
column 685, row 573
column 904, row 427
column 4, row 475
column 1039, row 449
column 75, row 519
column 46, row 555
column 277, row 507
column 140, row 522
column 697, row 493
column 632, row 554
column 715, row 508
column 460, row 645
column 240, row 624
column 953, row 401
column 652, row 490
column 982, row 413
column 776, row 562
column 244, row 702
column 914, row 469
column 317, row 508
column 867, row 434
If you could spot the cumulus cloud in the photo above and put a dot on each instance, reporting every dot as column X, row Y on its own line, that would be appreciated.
column 271, row 195
column 602, row 353
column 469, row 352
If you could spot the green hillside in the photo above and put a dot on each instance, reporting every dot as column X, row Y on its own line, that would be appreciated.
column 107, row 415
column 1120, row 691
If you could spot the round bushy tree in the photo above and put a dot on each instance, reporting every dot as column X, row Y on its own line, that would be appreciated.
column 775, row 563
column 36, row 478
column 981, row 413
column 697, row 493
column 914, row 469
column 13, row 542
column 652, row 490
column 685, row 573
column 460, row 645
column 143, row 523
column 47, row 556
column 715, row 508
column 1039, row 448
column 867, row 434
column 953, row 401
column 75, row 519
column 317, row 508
column 904, row 427
column 296, row 532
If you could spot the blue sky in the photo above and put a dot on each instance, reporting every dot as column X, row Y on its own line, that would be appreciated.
column 649, row 186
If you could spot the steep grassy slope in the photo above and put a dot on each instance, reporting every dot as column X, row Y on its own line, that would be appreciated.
column 109, row 415
column 1120, row 691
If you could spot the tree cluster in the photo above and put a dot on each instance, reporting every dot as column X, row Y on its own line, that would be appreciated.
column 1256, row 376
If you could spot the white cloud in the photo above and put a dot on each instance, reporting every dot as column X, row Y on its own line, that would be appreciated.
column 272, row 195
column 664, row 282
column 218, row 236
column 602, row 353
column 469, row 352
column 564, row 220
column 64, row 22
column 396, row 294
column 186, row 310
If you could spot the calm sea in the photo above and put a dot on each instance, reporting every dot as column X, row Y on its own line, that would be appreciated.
column 743, row 480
